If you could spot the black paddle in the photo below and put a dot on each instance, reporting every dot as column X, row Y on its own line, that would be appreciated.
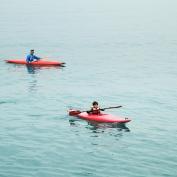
column 111, row 107
column 102, row 109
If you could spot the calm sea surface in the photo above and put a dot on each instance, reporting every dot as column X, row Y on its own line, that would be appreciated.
column 116, row 52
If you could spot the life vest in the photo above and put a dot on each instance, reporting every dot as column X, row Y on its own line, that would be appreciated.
column 95, row 110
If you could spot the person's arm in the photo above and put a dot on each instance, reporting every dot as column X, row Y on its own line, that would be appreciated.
column 90, row 111
column 35, row 57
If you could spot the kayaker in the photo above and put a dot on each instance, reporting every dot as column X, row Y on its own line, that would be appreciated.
column 95, row 109
column 31, row 57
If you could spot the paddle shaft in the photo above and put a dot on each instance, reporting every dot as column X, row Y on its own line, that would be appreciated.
column 102, row 109
column 112, row 107
column 74, row 113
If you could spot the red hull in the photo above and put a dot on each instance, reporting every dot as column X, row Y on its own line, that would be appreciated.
column 36, row 63
column 101, row 118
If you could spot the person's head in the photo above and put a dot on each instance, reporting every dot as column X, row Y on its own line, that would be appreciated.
column 32, row 51
column 95, row 104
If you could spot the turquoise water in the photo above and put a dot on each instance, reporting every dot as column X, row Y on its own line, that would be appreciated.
column 116, row 52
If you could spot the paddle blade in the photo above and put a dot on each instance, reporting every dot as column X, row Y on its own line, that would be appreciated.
column 74, row 112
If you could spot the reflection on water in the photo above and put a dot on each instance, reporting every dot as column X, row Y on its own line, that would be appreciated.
column 119, row 126
column 96, row 127
column 33, row 85
column 30, row 69
column 99, row 130
column 34, row 69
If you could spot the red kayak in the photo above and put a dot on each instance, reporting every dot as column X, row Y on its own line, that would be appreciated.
column 101, row 118
column 36, row 63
